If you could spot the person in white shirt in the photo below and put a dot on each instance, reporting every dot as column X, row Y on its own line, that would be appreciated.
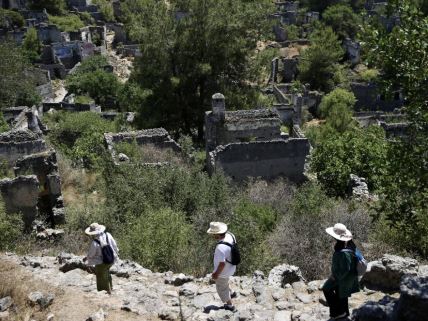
column 94, row 257
column 223, row 269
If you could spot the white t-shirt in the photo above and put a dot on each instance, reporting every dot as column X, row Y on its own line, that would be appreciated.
column 95, row 255
column 223, row 253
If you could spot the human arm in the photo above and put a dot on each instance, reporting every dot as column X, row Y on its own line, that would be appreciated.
column 220, row 268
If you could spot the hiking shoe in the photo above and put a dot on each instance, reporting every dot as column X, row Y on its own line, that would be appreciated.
column 230, row 307
column 234, row 295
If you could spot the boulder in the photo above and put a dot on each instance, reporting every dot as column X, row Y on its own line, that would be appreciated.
column 376, row 311
column 71, row 262
column 40, row 299
column 97, row 316
column 284, row 274
column 386, row 273
column 4, row 315
column 5, row 303
column 413, row 302
column 178, row 279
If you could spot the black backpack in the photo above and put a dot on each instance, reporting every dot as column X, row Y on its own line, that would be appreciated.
column 234, row 251
column 107, row 251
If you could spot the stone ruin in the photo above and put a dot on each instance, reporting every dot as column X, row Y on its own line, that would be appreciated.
column 157, row 138
column 249, row 143
column 395, row 124
column 36, row 188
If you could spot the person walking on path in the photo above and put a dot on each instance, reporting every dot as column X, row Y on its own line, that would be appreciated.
column 344, row 279
column 223, row 269
column 95, row 256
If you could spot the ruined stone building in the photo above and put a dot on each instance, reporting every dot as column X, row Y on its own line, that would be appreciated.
column 33, row 186
column 249, row 143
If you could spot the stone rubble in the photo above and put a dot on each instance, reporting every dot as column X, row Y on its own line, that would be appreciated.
column 283, row 295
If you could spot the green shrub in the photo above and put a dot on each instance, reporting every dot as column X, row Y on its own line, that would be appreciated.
column 159, row 239
column 68, row 23
column 251, row 223
column 11, row 228
column 106, row 9
column 362, row 152
column 8, row 17
column 31, row 45
column 80, row 136
column 369, row 75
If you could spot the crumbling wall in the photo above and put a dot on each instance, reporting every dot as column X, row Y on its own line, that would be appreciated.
column 158, row 137
column 44, row 166
column 21, row 196
column 15, row 144
column 267, row 159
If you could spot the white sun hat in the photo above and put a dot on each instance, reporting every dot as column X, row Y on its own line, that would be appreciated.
column 217, row 228
column 95, row 229
column 339, row 232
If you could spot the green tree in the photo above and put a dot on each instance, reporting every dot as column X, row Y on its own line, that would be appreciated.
column 16, row 87
column 401, row 57
column 91, row 79
column 106, row 8
column 321, row 5
column 31, row 45
column 362, row 152
column 187, row 58
column 343, row 20
column 318, row 63
column 51, row 6
column 336, row 108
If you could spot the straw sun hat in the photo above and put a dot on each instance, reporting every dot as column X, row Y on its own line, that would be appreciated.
column 217, row 228
column 339, row 232
column 95, row 229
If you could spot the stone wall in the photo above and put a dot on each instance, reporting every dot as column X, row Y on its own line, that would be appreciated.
column 21, row 196
column 15, row 144
column 71, row 107
column 158, row 137
column 267, row 159
column 241, row 126
column 369, row 97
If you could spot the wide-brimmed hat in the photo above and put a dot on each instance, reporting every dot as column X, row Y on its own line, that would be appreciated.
column 95, row 229
column 217, row 228
column 339, row 232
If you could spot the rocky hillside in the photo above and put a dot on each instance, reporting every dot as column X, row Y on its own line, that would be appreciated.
column 62, row 288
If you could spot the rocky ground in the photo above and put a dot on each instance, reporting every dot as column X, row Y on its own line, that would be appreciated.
column 140, row 294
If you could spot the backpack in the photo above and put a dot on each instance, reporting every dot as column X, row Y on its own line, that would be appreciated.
column 234, row 251
column 107, row 251
column 361, row 261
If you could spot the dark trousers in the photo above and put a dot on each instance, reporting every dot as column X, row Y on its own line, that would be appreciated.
column 337, row 305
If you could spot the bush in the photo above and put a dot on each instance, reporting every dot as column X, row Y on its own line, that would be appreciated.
column 300, row 238
column 106, row 8
column 159, row 239
column 369, row 75
column 362, row 152
column 343, row 20
column 80, row 136
column 68, row 23
column 31, row 45
column 9, row 18
column 11, row 228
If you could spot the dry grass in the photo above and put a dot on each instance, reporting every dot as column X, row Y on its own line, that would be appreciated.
column 18, row 284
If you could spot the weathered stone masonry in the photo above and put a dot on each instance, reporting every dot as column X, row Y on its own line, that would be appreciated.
column 250, row 144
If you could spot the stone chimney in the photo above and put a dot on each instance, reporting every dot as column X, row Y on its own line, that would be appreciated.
column 219, row 105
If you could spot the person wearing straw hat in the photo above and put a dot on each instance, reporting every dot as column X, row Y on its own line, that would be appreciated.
column 223, row 269
column 94, row 257
column 343, row 280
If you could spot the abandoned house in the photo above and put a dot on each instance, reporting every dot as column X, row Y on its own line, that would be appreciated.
column 249, row 143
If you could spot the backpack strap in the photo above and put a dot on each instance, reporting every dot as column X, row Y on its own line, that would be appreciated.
column 225, row 243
